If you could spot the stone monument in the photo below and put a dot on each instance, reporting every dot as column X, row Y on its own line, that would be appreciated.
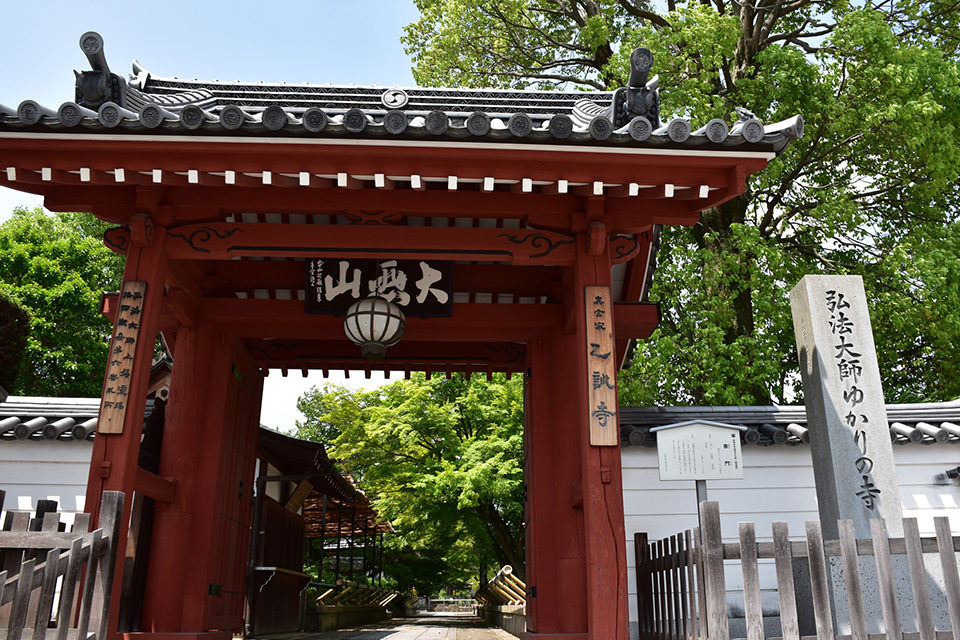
column 853, row 463
column 849, row 435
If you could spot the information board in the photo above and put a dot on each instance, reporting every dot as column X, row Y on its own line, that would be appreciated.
column 123, row 348
column 699, row 451
column 602, row 368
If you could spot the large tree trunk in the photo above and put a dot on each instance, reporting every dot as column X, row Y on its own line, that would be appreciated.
column 506, row 548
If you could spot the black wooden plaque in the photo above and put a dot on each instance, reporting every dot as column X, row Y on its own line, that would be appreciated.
column 418, row 287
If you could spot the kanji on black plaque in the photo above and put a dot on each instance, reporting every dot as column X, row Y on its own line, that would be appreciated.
column 418, row 287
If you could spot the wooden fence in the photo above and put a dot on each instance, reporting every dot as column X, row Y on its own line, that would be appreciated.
column 681, row 588
column 41, row 565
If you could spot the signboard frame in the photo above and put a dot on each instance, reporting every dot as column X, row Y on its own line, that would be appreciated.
column 694, row 466
column 398, row 281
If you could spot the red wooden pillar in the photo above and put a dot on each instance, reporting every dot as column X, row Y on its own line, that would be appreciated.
column 197, row 563
column 576, row 545
column 113, row 464
column 179, row 459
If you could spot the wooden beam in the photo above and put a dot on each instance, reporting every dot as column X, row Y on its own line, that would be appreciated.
column 225, row 241
column 336, row 352
column 152, row 485
column 221, row 278
column 541, row 163
column 182, row 305
column 635, row 319
column 467, row 323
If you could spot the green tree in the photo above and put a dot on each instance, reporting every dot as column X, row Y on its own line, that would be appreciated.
column 443, row 461
column 56, row 268
column 879, row 88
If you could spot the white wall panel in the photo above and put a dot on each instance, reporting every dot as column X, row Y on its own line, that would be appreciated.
column 32, row 470
column 778, row 485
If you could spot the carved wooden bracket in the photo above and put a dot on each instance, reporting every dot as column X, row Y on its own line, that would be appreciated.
column 373, row 217
column 141, row 230
column 220, row 241
column 624, row 248
column 117, row 239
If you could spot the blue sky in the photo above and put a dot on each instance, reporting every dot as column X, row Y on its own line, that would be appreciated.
column 324, row 41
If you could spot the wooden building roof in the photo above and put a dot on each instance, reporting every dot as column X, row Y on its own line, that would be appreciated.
column 924, row 423
column 146, row 103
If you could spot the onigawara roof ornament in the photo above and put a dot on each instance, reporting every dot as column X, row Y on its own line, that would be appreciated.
column 628, row 116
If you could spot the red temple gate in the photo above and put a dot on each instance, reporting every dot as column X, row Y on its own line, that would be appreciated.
column 545, row 204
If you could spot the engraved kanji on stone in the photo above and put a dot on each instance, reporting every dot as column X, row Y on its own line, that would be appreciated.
column 853, row 396
column 868, row 493
column 841, row 324
column 836, row 301
column 850, row 369
column 845, row 349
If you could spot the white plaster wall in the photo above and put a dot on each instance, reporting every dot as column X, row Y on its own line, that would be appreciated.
column 778, row 484
column 32, row 470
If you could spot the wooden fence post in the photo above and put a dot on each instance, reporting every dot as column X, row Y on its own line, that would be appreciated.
column 819, row 583
column 111, row 510
column 753, row 609
column 718, row 627
column 644, row 602
column 790, row 626
column 888, row 594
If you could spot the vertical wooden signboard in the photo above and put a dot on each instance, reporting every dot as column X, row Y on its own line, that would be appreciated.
column 601, row 368
column 123, row 348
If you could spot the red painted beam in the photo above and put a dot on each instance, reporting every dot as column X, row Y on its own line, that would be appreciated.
column 468, row 322
column 635, row 319
column 336, row 352
column 514, row 162
column 220, row 278
column 224, row 241
column 160, row 489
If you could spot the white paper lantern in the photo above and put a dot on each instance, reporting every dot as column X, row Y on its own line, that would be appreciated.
column 374, row 324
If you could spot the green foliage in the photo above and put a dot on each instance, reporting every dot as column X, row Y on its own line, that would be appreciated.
column 15, row 329
column 871, row 188
column 511, row 43
column 443, row 461
column 56, row 268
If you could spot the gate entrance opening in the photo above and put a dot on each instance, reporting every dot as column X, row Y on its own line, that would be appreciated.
column 543, row 207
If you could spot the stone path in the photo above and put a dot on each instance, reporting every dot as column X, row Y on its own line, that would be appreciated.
column 426, row 626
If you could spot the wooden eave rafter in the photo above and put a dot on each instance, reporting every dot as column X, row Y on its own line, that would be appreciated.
column 205, row 180
column 341, row 519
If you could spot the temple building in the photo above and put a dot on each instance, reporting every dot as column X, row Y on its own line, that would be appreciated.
column 276, row 227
